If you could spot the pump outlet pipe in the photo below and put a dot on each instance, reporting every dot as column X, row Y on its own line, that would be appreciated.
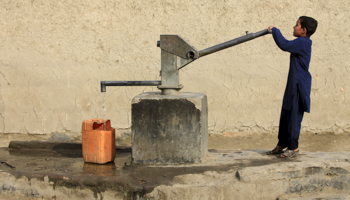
column 128, row 83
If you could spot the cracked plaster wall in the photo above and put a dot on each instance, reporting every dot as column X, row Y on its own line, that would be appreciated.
column 53, row 55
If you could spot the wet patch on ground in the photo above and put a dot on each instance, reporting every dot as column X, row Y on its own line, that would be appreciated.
column 67, row 168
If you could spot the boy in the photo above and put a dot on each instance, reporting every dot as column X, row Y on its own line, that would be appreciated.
column 296, row 98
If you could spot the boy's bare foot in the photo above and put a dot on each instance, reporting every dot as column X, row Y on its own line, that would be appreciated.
column 276, row 150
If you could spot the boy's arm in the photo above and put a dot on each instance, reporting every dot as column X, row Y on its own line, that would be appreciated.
column 282, row 43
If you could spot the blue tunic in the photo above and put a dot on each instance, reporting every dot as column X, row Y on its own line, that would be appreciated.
column 299, row 77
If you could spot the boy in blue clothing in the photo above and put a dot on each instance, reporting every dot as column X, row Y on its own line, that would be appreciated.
column 296, row 98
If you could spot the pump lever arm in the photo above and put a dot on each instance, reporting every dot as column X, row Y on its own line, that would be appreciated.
column 231, row 43
column 192, row 56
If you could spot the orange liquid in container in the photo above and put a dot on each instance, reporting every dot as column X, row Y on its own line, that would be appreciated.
column 98, row 141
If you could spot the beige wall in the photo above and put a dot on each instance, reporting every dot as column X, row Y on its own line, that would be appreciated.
column 53, row 55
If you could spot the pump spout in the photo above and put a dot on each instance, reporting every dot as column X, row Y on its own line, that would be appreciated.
column 128, row 83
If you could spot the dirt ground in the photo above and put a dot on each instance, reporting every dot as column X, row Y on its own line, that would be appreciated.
column 325, row 142
column 226, row 152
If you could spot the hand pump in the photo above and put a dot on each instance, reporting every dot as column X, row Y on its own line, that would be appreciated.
column 177, row 53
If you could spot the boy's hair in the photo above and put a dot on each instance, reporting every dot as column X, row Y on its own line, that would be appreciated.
column 309, row 23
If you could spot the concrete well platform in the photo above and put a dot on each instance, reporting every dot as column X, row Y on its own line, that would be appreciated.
column 54, row 170
column 169, row 129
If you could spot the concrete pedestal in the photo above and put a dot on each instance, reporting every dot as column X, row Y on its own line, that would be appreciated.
column 169, row 129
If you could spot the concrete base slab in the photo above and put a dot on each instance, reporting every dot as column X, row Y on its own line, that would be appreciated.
column 61, row 173
column 169, row 129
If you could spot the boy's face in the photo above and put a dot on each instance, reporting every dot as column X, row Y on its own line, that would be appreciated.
column 298, row 31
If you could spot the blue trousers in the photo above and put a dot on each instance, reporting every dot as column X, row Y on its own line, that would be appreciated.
column 290, row 124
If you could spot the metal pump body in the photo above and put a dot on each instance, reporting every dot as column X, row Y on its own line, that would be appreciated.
column 176, row 53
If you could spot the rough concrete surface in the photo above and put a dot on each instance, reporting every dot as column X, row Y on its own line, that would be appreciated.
column 169, row 129
column 53, row 54
column 58, row 171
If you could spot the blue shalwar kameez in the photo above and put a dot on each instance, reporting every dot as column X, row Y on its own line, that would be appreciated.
column 296, row 98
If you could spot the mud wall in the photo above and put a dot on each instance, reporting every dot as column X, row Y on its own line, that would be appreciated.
column 53, row 55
